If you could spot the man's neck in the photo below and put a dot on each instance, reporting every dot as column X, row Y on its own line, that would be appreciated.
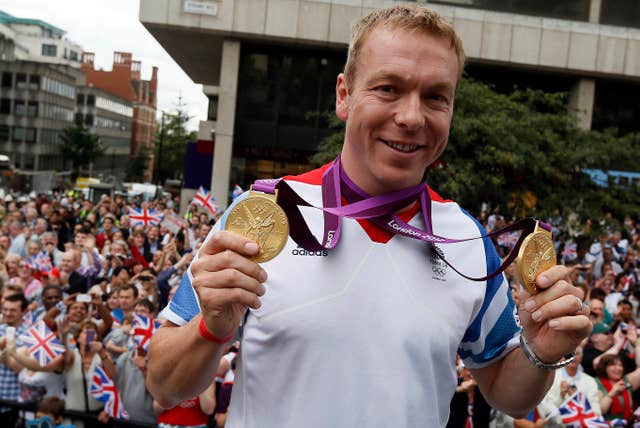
column 571, row 371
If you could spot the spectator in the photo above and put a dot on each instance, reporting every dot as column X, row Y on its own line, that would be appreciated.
column 18, row 240
column 615, row 388
column 131, row 372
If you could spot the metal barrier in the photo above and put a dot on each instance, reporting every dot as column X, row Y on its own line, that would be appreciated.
column 75, row 415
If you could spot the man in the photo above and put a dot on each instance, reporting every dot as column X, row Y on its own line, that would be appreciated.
column 131, row 370
column 70, row 267
column 18, row 240
column 567, row 381
column 127, row 297
column 374, row 312
column 13, row 308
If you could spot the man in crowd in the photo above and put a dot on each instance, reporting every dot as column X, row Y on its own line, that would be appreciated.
column 373, row 308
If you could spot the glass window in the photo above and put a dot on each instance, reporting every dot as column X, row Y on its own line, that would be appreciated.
column 21, row 80
column 17, row 134
column 566, row 9
column 88, row 120
column 4, row 133
column 7, row 79
column 620, row 12
column 49, row 50
column 32, row 109
column 73, row 55
column 91, row 100
column 30, row 135
column 212, row 113
column 34, row 82
column 5, row 106
column 616, row 106
column 20, row 108
column 80, row 99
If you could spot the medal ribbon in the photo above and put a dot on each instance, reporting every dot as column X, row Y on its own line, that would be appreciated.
column 378, row 209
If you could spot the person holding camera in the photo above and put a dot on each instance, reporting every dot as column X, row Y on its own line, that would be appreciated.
column 615, row 389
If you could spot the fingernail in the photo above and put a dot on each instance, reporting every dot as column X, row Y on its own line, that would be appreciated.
column 251, row 247
column 542, row 280
column 263, row 275
column 536, row 315
column 530, row 304
column 554, row 323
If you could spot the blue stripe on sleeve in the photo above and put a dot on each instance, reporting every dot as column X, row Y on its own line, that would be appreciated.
column 185, row 303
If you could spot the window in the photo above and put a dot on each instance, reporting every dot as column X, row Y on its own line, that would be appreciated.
column 17, row 134
column 32, row 109
column 30, row 135
column 88, row 120
column 78, row 118
column 4, row 133
column 49, row 50
column 74, row 56
column 7, row 79
column 91, row 100
column 20, row 108
column 21, row 81
column 80, row 99
column 34, row 82
column 212, row 113
column 5, row 106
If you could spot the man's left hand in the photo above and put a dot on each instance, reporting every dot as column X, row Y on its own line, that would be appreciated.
column 554, row 321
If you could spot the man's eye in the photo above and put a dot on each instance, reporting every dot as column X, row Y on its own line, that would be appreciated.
column 386, row 88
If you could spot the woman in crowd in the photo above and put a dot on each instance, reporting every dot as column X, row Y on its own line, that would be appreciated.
column 615, row 389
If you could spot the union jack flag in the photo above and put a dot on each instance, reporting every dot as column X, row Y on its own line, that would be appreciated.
column 617, row 423
column 577, row 413
column 40, row 261
column 143, row 329
column 237, row 191
column 205, row 199
column 104, row 390
column 508, row 240
column 570, row 251
column 144, row 217
column 43, row 344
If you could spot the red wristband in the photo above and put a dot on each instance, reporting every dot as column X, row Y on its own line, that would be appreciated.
column 206, row 334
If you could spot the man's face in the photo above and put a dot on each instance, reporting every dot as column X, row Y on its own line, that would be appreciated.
column 107, row 225
column 77, row 311
column 4, row 242
column 625, row 311
column 398, row 108
column 68, row 262
column 12, row 313
column 596, row 313
column 152, row 233
column 50, row 297
column 142, row 310
column 126, row 299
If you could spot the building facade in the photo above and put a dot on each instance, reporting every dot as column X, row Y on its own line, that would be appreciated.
column 37, row 40
column 125, row 81
column 267, row 64
column 110, row 118
column 37, row 101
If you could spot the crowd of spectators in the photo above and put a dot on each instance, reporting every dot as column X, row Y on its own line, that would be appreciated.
column 602, row 257
column 102, row 268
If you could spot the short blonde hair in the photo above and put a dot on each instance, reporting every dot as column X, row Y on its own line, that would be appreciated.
column 402, row 16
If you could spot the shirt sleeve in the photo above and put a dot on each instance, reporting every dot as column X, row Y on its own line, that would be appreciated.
column 185, row 305
column 494, row 332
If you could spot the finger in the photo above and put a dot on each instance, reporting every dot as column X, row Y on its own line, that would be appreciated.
column 213, row 299
column 558, row 290
column 552, row 275
column 228, row 260
column 224, row 240
column 567, row 305
column 580, row 325
column 227, row 278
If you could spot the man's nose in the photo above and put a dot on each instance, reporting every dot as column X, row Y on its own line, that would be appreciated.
column 411, row 113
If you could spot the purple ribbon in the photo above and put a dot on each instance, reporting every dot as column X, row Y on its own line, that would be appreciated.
column 379, row 209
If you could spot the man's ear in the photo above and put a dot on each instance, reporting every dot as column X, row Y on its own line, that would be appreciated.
column 342, row 98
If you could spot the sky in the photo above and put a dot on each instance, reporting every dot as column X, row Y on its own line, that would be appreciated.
column 107, row 26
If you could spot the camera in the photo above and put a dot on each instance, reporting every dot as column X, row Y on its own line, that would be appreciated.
column 623, row 327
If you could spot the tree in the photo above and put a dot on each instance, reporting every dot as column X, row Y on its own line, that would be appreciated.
column 80, row 146
column 523, row 151
column 137, row 165
column 171, row 143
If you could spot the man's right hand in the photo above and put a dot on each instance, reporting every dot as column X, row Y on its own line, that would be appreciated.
column 226, row 281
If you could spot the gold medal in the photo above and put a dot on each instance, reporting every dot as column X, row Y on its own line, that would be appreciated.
column 261, row 219
column 536, row 255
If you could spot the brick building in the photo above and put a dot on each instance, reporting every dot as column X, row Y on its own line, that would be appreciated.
column 125, row 81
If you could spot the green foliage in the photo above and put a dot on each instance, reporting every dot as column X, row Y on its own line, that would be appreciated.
column 329, row 147
column 524, row 151
column 171, row 144
column 80, row 146
column 138, row 164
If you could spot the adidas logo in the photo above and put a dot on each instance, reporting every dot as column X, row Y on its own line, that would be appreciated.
column 299, row 251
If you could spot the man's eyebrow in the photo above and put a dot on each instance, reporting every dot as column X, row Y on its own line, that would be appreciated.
column 395, row 77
